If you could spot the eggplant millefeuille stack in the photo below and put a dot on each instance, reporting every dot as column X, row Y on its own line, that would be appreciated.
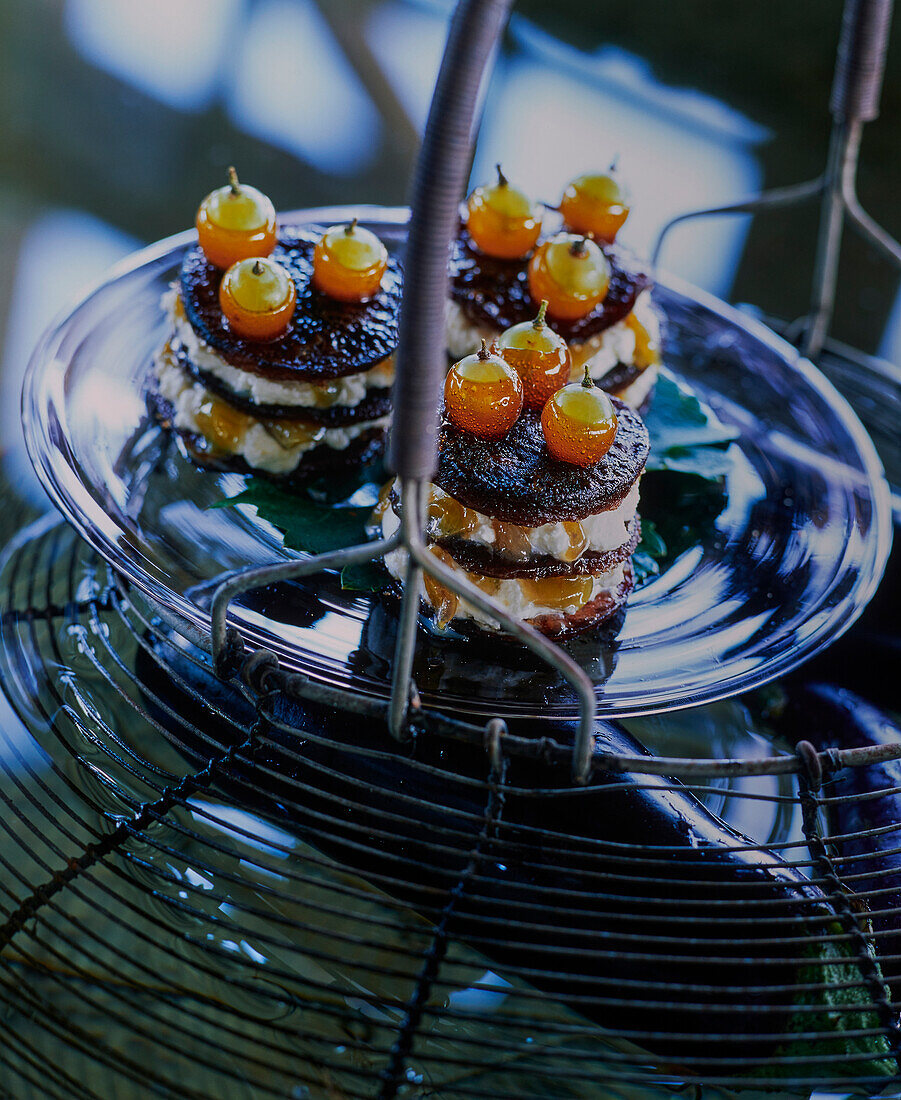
column 288, row 389
column 493, row 283
column 528, row 519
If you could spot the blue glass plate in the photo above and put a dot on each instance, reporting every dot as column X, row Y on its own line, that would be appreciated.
column 788, row 565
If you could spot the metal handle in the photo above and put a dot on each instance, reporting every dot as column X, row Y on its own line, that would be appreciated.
column 441, row 173
column 860, row 63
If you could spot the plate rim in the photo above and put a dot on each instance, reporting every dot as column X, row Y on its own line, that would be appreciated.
column 57, row 472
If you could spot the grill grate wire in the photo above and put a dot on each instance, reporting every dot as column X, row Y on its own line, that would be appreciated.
column 117, row 795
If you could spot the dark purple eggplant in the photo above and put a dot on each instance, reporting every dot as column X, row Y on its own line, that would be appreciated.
column 833, row 718
column 567, row 891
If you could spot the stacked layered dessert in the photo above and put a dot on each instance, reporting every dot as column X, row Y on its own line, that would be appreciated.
column 508, row 257
column 535, row 500
column 280, row 354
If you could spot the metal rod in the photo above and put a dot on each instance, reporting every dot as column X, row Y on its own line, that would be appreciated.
column 438, row 185
column 529, row 636
column 766, row 200
column 844, row 148
column 860, row 60
column 860, row 64
column 245, row 580
column 411, row 519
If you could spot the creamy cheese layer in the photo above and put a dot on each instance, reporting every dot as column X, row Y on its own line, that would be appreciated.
column 517, row 596
column 602, row 352
column 264, row 445
column 348, row 391
column 566, row 541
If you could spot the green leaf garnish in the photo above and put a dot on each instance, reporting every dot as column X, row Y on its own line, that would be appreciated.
column 307, row 526
column 649, row 553
column 369, row 576
column 682, row 431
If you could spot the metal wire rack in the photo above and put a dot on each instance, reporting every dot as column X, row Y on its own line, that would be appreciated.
column 241, row 906
column 222, row 878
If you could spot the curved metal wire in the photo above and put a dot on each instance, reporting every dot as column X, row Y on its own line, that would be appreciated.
column 856, row 89
column 267, row 877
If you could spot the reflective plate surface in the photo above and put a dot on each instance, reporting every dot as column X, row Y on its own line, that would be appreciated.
column 789, row 564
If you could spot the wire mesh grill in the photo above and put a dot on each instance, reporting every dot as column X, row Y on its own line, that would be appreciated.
column 196, row 896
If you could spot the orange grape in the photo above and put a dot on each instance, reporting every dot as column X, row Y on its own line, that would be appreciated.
column 235, row 222
column 349, row 263
column 539, row 356
column 579, row 423
column 596, row 204
column 571, row 273
column 257, row 297
column 502, row 220
column 483, row 394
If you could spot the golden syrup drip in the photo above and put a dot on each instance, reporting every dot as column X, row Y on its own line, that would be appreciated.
column 443, row 601
column 326, row 394
column 385, row 369
column 578, row 541
column 647, row 349
column 168, row 355
column 222, row 426
column 383, row 501
column 448, row 516
column 558, row 593
column 511, row 541
column 289, row 433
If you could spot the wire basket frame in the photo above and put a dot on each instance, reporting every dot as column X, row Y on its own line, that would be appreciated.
column 127, row 870
column 856, row 88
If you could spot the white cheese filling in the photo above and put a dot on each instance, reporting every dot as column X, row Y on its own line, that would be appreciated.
column 565, row 541
column 348, row 391
column 253, row 441
column 602, row 352
column 510, row 593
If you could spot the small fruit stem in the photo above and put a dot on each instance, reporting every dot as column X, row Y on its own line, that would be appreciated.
column 257, row 268
column 484, row 353
column 502, row 180
column 542, row 310
column 614, row 163
column 233, row 181
column 579, row 247
column 350, row 227
column 587, row 381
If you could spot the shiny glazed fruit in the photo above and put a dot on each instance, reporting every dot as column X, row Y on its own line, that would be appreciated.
column 571, row 274
column 444, row 602
column 596, row 204
column 257, row 297
column 502, row 220
column 349, row 263
column 579, row 423
column 483, row 395
column 539, row 356
column 235, row 222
